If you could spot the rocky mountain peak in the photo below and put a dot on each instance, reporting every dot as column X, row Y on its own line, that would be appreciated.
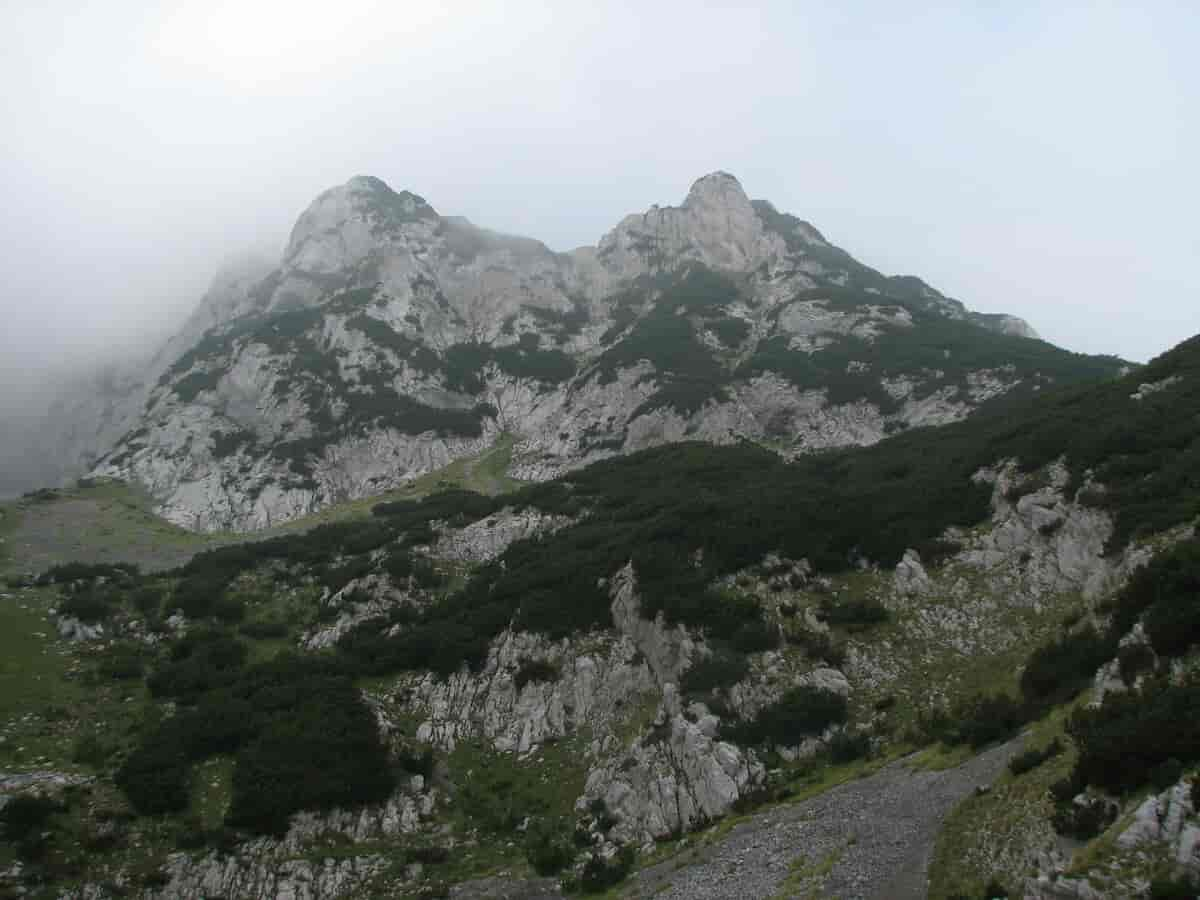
column 376, row 194
column 356, row 212
column 717, row 189
column 716, row 225
column 391, row 341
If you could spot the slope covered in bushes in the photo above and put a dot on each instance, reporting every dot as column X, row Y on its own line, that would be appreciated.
column 688, row 513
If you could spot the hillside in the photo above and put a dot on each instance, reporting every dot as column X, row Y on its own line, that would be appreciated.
column 391, row 340
column 626, row 661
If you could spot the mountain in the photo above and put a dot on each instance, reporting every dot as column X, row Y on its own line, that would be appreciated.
column 391, row 340
column 964, row 658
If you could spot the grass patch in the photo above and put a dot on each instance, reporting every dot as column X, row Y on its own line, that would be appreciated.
column 494, row 791
column 107, row 522
column 986, row 836
column 806, row 877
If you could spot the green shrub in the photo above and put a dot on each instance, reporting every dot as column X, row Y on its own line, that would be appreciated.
column 398, row 564
column 600, row 874
column 1179, row 887
column 199, row 662
column 26, row 814
column 227, row 443
column 818, row 645
column 147, row 600
column 1173, row 619
column 90, row 750
column 857, row 613
column 1065, row 789
column 1133, row 659
column 301, row 737
column 264, row 629
column 548, row 845
column 718, row 670
column 417, row 760
column 320, row 752
column 1083, row 820
column 121, row 663
column 984, row 719
column 90, row 605
column 1166, row 774
column 849, row 745
column 730, row 331
column 425, row 574
column 228, row 610
column 802, row 712
column 1060, row 669
column 755, row 636
column 191, row 386
column 1124, row 740
column 154, row 776
column 120, row 573
column 531, row 670
column 1032, row 758
column 197, row 595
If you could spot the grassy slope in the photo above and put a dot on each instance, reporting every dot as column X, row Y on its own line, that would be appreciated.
column 49, row 698
column 108, row 522
column 43, row 705
column 111, row 521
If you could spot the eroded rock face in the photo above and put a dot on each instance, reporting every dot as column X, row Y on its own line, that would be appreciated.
column 592, row 690
column 677, row 778
column 1167, row 818
column 289, row 867
column 391, row 340
column 489, row 537
column 1046, row 541
column 667, row 775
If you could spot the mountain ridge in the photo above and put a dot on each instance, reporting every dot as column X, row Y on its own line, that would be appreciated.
column 391, row 340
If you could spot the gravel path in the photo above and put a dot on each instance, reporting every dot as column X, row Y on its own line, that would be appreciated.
column 870, row 839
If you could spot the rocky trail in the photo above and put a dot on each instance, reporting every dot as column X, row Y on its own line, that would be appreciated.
column 870, row 839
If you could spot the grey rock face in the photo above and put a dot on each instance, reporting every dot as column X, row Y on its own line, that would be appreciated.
column 911, row 577
column 1049, row 542
column 279, row 867
column 667, row 776
column 489, row 537
column 391, row 340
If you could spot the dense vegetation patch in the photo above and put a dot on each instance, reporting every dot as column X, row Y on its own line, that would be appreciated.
column 802, row 712
column 563, row 324
column 936, row 351
column 414, row 353
column 685, row 370
column 730, row 331
column 722, row 668
column 1166, row 594
column 464, row 363
column 688, row 513
column 300, row 734
column 1133, row 733
column 194, row 384
column 227, row 443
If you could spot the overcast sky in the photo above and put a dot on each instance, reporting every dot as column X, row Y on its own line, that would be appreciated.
column 1039, row 160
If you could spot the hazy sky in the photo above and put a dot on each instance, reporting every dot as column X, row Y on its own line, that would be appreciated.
column 1039, row 160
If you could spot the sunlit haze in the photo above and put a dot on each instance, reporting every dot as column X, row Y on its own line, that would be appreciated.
column 1037, row 160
